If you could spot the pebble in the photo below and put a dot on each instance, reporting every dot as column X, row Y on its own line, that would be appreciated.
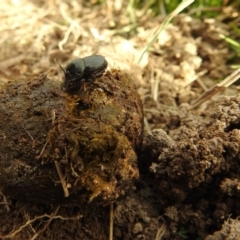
column 137, row 228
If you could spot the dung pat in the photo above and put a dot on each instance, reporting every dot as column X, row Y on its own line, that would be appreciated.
column 83, row 146
column 103, row 132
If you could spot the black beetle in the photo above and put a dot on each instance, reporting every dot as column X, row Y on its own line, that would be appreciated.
column 83, row 69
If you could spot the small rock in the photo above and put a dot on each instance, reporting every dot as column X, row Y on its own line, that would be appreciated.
column 146, row 219
column 137, row 228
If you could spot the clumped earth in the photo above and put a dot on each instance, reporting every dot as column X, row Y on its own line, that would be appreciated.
column 182, row 178
column 188, row 175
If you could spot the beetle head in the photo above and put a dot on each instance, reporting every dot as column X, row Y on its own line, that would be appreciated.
column 73, row 78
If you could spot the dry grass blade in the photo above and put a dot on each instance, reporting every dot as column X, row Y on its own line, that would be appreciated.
column 147, row 126
column 5, row 202
column 155, row 84
column 204, row 9
column 111, row 222
column 217, row 88
column 180, row 7
column 196, row 78
column 10, row 62
column 160, row 232
column 61, row 177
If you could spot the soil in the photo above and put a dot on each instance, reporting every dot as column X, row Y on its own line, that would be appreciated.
column 188, row 172
column 178, row 179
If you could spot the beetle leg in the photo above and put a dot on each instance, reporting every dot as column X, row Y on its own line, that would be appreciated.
column 62, row 69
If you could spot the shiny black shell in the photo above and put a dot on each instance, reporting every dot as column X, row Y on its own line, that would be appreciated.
column 83, row 69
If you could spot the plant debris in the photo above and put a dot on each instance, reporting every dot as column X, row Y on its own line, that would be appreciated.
column 181, row 182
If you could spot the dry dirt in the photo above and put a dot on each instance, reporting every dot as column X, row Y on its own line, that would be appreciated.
column 188, row 184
